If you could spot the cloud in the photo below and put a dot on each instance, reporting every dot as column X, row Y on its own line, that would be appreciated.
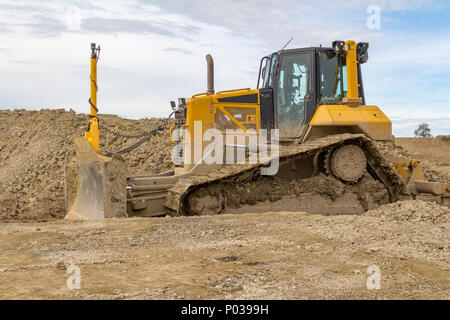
column 4, row 28
column 180, row 50
column 123, row 25
column 23, row 61
column 30, row 19
column 45, row 26
column 407, row 73
column 19, row 8
column 52, row 18
column 385, row 5
column 310, row 22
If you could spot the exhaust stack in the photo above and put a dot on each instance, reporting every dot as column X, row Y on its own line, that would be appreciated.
column 210, row 74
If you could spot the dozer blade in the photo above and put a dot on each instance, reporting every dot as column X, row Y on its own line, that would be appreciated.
column 96, row 187
column 409, row 171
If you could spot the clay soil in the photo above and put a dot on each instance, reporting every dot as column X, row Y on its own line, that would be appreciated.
column 271, row 250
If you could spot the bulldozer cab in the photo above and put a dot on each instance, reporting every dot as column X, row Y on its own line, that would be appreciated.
column 297, row 81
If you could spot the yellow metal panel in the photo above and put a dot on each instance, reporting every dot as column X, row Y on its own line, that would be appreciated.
column 235, row 121
column 369, row 119
column 234, row 93
column 352, row 71
column 342, row 114
column 203, row 107
column 374, row 115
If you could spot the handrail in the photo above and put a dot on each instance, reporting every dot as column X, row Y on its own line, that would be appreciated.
column 200, row 94
column 234, row 90
column 181, row 131
column 180, row 137
column 170, row 135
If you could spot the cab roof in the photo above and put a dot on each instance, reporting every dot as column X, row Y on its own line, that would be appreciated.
column 320, row 49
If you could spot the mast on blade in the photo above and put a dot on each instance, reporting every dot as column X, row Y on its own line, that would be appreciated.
column 92, row 135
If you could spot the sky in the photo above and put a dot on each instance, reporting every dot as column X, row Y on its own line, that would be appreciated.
column 153, row 51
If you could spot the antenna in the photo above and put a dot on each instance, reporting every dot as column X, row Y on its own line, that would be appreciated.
column 292, row 38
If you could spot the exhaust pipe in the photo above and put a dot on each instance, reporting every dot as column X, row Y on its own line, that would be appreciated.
column 210, row 74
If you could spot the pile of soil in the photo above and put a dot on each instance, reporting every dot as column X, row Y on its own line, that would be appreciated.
column 412, row 211
column 391, row 151
column 433, row 154
column 441, row 149
column 36, row 145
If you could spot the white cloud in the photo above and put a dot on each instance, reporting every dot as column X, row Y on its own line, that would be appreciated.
column 153, row 52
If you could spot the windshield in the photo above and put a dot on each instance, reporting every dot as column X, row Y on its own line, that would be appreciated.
column 333, row 80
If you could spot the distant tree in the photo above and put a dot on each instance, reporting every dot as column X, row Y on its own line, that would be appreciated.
column 423, row 131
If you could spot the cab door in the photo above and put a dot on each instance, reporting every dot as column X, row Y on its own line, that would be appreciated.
column 294, row 93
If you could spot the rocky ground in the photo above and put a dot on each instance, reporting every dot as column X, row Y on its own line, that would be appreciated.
column 248, row 256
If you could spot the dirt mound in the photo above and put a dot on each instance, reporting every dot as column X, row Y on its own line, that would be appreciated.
column 434, row 150
column 433, row 154
column 392, row 150
column 36, row 145
column 443, row 138
column 412, row 211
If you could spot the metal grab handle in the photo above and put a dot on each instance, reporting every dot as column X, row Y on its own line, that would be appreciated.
column 170, row 135
column 200, row 94
column 234, row 90
column 181, row 133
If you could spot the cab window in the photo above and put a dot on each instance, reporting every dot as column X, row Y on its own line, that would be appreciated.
column 294, row 83
column 333, row 77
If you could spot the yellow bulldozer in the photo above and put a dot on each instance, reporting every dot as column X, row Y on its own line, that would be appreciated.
column 306, row 117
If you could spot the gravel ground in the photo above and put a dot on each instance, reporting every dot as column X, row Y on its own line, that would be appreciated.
column 247, row 256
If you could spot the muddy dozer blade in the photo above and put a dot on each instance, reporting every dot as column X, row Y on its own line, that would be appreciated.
column 95, row 186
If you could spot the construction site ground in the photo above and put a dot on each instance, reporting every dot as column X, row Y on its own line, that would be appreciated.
column 275, row 252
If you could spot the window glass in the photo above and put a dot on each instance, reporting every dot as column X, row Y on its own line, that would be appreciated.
column 269, row 69
column 272, row 69
column 266, row 72
column 333, row 78
column 294, row 84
